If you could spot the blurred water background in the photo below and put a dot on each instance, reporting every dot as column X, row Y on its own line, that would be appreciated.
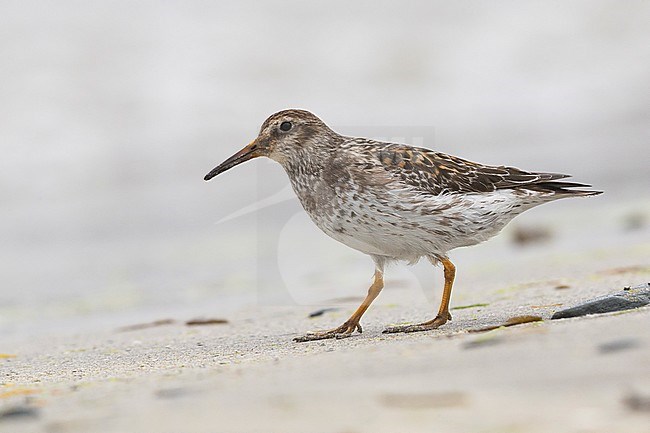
column 112, row 112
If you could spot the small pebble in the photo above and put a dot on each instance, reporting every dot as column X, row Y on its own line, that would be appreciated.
column 524, row 236
column 146, row 325
column 513, row 321
column 634, row 221
column 617, row 346
column 19, row 412
column 200, row 322
column 637, row 403
column 322, row 311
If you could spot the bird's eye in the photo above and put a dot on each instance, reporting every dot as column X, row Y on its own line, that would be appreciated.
column 285, row 126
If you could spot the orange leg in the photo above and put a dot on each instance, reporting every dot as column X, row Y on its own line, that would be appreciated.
column 443, row 312
column 352, row 324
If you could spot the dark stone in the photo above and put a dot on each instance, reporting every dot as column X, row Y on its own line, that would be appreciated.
column 210, row 321
column 19, row 412
column 146, row 325
column 626, row 299
column 637, row 403
column 321, row 312
column 618, row 346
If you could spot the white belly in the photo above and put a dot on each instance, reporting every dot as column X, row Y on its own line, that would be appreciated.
column 430, row 227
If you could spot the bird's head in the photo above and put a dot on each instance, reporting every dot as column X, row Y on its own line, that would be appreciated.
column 284, row 136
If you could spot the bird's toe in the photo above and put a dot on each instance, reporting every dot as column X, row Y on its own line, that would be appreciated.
column 426, row 326
column 344, row 331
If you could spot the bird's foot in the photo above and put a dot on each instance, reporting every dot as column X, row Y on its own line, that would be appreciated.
column 426, row 326
column 344, row 331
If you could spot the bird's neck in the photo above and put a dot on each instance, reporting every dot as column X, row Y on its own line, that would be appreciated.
column 304, row 164
column 311, row 156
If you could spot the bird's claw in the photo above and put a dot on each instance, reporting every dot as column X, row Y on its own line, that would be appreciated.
column 426, row 326
column 343, row 331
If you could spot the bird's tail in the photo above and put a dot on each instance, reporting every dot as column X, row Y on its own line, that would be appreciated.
column 566, row 189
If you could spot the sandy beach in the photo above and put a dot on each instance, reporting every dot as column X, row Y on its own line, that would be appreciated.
column 584, row 374
column 135, row 297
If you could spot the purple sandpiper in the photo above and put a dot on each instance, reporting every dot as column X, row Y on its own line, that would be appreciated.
column 396, row 202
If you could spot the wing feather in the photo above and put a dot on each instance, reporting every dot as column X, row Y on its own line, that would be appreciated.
column 439, row 173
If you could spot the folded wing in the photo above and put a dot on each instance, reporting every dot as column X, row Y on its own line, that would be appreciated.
column 438, row 173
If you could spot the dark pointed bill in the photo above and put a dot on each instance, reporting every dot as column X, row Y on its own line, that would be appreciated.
column 248, row 152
